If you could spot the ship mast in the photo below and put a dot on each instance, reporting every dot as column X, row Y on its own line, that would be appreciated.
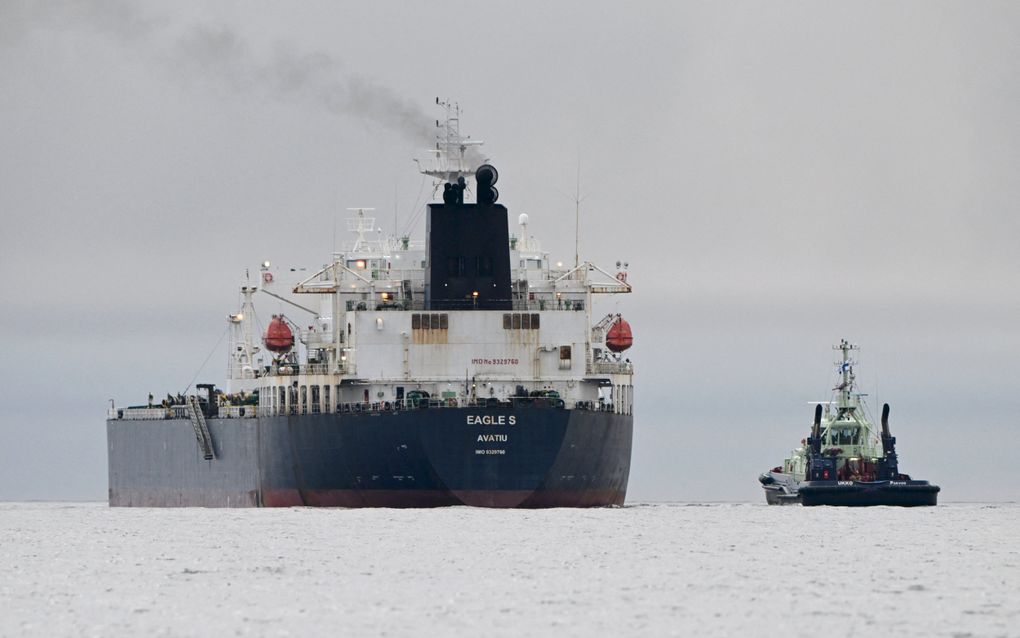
column 451, row 152
column 241, row 361
column 361, row 225
column 846, row 403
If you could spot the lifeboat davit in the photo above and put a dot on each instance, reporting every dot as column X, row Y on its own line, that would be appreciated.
column 619, row 337
column 279, row 338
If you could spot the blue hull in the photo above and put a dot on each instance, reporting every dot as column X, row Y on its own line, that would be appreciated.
column 512, row 457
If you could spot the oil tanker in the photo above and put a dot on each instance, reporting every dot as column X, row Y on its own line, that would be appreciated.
column 467, row 369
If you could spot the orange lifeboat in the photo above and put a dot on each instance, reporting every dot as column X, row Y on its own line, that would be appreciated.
column 279, row 338
column 619, row 337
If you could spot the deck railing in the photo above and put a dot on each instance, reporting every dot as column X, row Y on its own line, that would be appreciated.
column 610, row 367
column 439, row 404
column 160, row 413
column 549, row 303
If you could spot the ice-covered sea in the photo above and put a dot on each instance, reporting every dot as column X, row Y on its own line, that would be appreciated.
column 648, row 570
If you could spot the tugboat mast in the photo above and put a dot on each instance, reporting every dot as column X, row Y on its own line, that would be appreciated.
column 846, row 404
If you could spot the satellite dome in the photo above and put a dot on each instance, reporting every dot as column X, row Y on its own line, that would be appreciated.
column 523, row 219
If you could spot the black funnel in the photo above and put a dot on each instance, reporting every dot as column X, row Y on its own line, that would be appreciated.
column 888, row 440
column 816, row 431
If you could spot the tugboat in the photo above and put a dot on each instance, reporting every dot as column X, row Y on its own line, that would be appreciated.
column 845, row 461
column 468, row 369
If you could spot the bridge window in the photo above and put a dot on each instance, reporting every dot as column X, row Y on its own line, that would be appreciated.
column 520, row 321
column 430, row 321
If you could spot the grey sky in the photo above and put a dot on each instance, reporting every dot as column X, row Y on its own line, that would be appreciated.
column 779, row 176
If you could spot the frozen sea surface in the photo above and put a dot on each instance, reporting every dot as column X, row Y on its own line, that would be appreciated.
column 650, row 570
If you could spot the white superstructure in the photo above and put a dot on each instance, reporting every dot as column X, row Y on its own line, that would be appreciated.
column 368, row 341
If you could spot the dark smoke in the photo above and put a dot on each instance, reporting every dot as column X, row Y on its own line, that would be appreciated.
column 221, row 56
column 218, row 55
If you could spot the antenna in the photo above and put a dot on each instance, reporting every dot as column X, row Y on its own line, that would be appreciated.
column 336, row 196
column 577, row 213
column 450, row 160
column 360, row 225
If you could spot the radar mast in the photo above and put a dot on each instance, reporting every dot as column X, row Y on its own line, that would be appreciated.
column 454, row 154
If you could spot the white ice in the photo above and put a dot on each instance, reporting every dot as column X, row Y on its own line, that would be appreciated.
column 650, row 570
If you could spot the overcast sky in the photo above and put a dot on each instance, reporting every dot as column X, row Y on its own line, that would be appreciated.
column 778, row 175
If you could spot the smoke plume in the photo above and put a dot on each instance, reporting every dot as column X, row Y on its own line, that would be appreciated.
column 220, row 56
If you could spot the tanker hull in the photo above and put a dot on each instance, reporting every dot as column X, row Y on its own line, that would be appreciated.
column 514, row 457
